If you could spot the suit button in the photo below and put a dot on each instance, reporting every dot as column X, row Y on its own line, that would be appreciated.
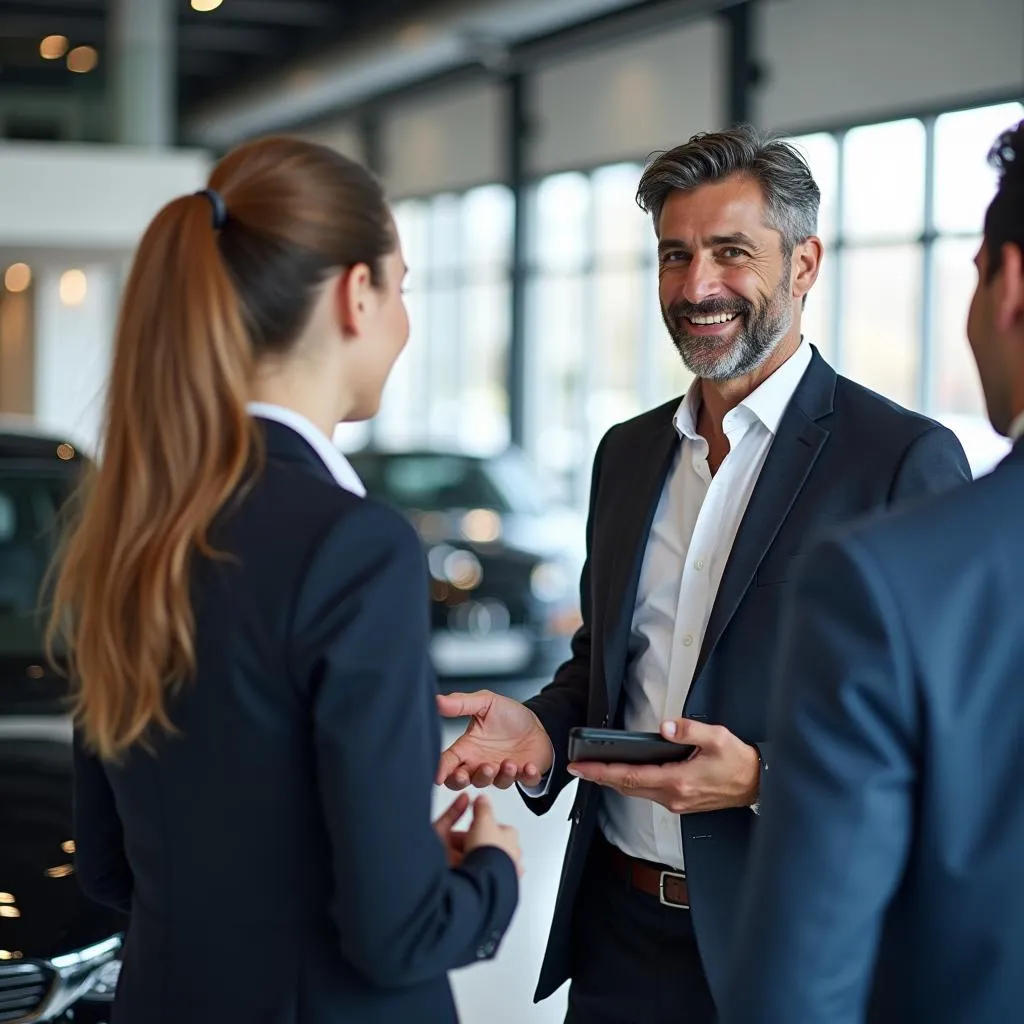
column 605, row 721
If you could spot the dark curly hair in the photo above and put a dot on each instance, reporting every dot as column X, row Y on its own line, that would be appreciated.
column 1004, row 221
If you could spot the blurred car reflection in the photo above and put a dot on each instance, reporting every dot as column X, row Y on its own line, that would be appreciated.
column 504, row 559
column 59, row 952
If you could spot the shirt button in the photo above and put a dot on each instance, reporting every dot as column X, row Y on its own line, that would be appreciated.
column 699, row 564
column 687, row 640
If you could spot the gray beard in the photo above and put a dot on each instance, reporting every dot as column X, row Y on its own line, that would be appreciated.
column 759, row 336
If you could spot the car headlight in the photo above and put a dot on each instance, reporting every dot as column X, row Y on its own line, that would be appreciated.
column 549, row 581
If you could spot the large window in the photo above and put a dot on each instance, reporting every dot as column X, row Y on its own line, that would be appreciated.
column 901, row 215
column 448, row 389
column 597, row 352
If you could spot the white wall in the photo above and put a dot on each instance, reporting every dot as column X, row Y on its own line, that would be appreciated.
column 450, row 140
column 81, row 207
column 84, row 197
column 625, row 102
column 836, row 61
column 72, row 353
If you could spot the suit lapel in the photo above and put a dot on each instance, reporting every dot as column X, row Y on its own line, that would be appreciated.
column 641, row 488
column 790, row 459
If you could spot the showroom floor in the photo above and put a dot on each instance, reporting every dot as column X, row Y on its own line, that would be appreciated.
column 501, row 992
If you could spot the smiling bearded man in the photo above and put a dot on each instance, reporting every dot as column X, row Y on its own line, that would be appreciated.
column 697, row 512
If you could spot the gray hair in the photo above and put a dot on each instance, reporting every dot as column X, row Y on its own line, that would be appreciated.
column 791, row 195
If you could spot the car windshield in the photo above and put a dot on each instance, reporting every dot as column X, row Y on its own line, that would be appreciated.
column 438, row 482
column 29, row 505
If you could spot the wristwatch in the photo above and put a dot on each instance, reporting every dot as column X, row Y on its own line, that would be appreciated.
column 756, row 805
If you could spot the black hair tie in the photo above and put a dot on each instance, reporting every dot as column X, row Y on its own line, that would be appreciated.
column 220, row 210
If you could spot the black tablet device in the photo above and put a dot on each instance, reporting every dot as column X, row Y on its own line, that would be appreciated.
column 617, row 746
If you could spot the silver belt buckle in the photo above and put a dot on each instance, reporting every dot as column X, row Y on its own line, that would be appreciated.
column 661, row 889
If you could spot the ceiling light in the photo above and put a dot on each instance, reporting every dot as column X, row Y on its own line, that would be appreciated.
column 18, row 277
column 74, row 286
column 206, row 5
column 82, row 59
column 53, row 47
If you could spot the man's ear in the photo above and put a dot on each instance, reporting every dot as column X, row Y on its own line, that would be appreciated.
column 352, row 299
column 1009, row 288
column 807, row 256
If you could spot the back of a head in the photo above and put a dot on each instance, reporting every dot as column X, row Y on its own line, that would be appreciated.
column 791, row 195
column 1004, row 220
column 221, row 279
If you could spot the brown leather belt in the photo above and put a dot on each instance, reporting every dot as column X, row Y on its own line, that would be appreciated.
column 669, row 886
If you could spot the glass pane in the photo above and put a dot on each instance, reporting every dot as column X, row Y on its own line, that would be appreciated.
column 964, row 182
column 403, row 413
column 560, row 321
column 442, row 382
column 622, row 229
column 881, row 320
column 616, row 372
column 445, row 241
column 560, row 222
column 411, row 218
column 482, row 402
column 884, row 181
column 955, row 384
column 822, row 153
column 817, row 321
column 487, row 216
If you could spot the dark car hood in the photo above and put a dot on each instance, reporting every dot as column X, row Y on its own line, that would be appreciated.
column 36, row 869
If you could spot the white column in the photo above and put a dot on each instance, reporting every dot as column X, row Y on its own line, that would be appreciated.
column 73, row 352
column 143, row 56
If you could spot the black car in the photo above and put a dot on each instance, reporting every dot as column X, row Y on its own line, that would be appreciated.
column 59, row 952
column 504, row 559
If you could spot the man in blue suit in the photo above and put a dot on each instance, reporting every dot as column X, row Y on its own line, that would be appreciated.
column 887, row 880
column 697, row 511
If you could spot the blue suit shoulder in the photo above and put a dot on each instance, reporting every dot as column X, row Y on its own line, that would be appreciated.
column 879, row 418
column 977, row 522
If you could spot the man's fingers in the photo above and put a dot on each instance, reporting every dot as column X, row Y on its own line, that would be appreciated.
column 449, row 762
column 463, row 705
column 458, row 780
column 686, row 730
column 506, row 776
column 483, row 776
column 622, row 776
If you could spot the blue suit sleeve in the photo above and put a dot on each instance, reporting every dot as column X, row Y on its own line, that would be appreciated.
column 360, row 658
column 832, row 841
column 934, row 462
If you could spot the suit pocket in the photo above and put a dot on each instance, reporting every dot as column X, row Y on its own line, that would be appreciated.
column 774, row 571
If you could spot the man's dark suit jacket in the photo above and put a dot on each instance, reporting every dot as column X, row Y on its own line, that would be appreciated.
column 277, row 855
column 840, row 451
column 893, row 815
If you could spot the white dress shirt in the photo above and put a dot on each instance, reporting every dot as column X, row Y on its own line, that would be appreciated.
column 691, row 537
column 1017, row 428
column 337, row 465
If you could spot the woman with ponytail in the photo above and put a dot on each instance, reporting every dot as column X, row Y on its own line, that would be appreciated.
column 246, row 632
